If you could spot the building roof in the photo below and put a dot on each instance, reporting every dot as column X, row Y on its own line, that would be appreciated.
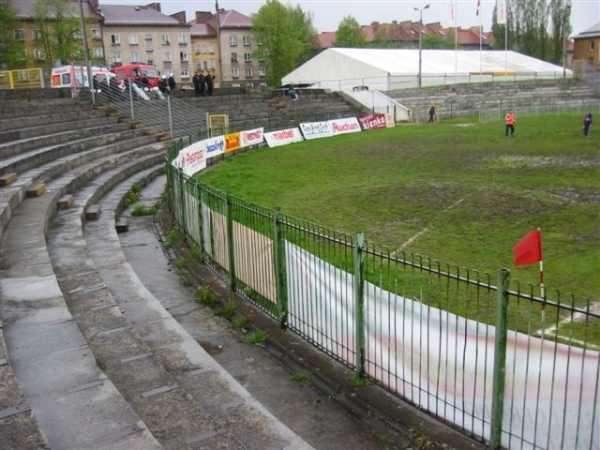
column 25, row 8
column 135, row 15
column 590, row 32
column 355, row 66
column 234, row 19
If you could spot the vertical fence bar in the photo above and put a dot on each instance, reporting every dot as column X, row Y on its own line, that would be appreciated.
column 279, row 265
column 230, row 252
column 499, row 359
column 359, row 313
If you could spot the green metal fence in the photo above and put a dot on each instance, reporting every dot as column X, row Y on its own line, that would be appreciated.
column 481, row 353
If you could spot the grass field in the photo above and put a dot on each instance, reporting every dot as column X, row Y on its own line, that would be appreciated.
column 458, row 192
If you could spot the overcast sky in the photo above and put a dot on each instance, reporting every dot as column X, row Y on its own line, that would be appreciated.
column 327, row 14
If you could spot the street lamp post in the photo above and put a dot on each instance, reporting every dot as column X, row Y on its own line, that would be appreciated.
column 566, row 39
column 420, row 41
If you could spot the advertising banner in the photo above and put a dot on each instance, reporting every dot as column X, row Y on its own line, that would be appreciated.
column 373, row 122
column 283, row 137
column 342, row 126
column 232, row 142
column 191, row 159
column 315, row 130
column 252, row 137
column 214, row 146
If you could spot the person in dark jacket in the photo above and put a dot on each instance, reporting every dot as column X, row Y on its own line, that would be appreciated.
column 209, row 83
column 163, row 85
column 172, row 83
column 587, row 123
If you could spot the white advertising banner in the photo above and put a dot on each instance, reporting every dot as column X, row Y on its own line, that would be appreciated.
column 191, row 159
column 315, row 130
column 346, row 125
column 283, row 137
column 252, row 137
column 444, row 362
column 214, row 146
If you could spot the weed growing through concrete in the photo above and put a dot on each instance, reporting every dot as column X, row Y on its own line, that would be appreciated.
column 205, row 296
column 302, row 379
column 256, row 337
column 240, row 322
column 143, row 210
column 170, row 238
column 358, row 382
column 226, row 311
column 180, row 263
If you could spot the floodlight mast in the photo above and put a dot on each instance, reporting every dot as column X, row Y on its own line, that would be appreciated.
column 420, row 43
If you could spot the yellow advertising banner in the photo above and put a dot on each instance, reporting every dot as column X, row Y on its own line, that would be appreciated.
column 232, row 142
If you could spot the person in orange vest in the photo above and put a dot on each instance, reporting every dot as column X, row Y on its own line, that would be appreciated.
column 510, row 122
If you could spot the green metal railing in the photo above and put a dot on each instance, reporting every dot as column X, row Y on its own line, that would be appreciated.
column 485, row 355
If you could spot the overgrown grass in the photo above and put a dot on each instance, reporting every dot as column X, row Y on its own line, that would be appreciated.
column 456, row 192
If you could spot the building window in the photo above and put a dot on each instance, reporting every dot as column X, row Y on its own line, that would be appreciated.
column 135, row 57
column 198, row 49
column 184, row 73
column 149, row 46
column 97, row 34
column 133, row 39
column 38, row 54
column 150, row 62
column 77, row 34
column 184, row 56
column 36, row 35
column 210, row 65
column 592, row 46
column 116, row 58
column 98, row 52
column 198, row 65
column 148, row 36
column 115, row 39
column 232, row 41
column 248, row 72
column 247, row 40
column 235, row 72
column 262, row 72
column 247, row 57
column 234, row 57
column 182, row 39
column 261, row 56
column 166, row 39
column 19, row 35
column 210, row 49
column 167, row 57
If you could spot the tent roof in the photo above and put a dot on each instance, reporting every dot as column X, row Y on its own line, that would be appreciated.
column 353, row 63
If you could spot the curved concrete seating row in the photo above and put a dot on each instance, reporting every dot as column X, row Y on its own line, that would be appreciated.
column 100, row 363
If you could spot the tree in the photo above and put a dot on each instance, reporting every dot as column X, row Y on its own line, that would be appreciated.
column 12, row 52
column 310, row 35
column 349, row 34
column 560, row 15
column 60, row 30
column 281, row 33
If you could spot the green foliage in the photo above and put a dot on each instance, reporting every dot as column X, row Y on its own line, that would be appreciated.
column 131, row 197
column 141, row 209
column 12, row 52
column 357, row 382
column 283, row 31
column 205, row 296
column 302, row 379
column 59, row 25
column 240, row 322
column 170, row 238
column 350, row 34
column 226, row 311
column 180, row 263
column 256, row 337
column 380, row 436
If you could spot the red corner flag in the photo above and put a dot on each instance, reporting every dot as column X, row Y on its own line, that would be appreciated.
column 529, row 249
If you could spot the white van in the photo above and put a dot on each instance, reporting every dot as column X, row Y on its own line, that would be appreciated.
column 76, row 77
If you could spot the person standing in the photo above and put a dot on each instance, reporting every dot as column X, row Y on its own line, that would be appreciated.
column 209, row 83
column 196, row 83
column 587, row 123
column 432, row 114
column 171, row 82
column 510, row 122
column 202, row 83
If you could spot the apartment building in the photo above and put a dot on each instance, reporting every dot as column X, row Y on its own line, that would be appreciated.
column 28, row 34
column 226, row 41
column 143, row 34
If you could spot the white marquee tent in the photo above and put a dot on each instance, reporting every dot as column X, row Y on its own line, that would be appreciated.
column 342, row 69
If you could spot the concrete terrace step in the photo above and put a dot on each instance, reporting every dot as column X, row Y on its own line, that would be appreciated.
column 14, row 147
column 139, row 333
column 55, row 128
column 42, row 107
column 71, row 116
column 76, row 405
